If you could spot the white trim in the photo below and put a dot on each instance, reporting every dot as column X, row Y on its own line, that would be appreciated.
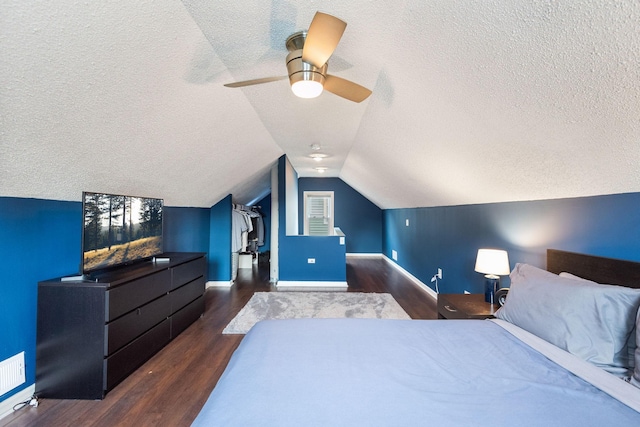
column 413, row 278
column 363, row 255
column 308, row 284
column 219, row 284
column 275, row 224
column 6, row 406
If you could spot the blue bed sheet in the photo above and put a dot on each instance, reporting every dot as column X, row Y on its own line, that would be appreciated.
column 371, row 372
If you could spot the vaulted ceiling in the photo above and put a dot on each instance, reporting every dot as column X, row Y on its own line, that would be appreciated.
column 473, row 101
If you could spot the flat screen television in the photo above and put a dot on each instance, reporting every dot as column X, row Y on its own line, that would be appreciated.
column 119, row 230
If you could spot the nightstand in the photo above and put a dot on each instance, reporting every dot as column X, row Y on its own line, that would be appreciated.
column 465, row 306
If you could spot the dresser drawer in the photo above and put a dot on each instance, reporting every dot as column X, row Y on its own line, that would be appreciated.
column 187, row 293
column 186, row 316
column 131, row 295
column 130, row 357
column 187, row 272
column 124, row 329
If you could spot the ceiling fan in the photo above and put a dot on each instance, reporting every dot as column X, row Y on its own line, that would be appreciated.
column 307, row 64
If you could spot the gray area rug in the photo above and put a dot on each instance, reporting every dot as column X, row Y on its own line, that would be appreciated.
column 326, row 305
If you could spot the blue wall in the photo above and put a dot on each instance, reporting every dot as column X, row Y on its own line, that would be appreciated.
column 186, row 229
column 294, row 251
column 330, row 259
column 40, row 240
column 449, row 237
column 220, row 240
column 358, row 218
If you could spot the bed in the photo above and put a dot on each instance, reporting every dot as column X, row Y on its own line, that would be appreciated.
column 578, row 368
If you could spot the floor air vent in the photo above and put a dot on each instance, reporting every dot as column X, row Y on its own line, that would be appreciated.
column 11, row 373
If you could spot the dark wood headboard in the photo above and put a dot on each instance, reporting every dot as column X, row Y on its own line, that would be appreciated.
column 598, row 269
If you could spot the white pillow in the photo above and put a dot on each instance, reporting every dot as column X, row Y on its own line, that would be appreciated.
column 592, row 321
column 633, row 340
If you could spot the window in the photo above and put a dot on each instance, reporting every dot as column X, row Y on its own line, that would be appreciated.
column 318, row 213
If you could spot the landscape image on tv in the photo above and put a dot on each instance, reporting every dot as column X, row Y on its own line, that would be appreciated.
column 119, row 229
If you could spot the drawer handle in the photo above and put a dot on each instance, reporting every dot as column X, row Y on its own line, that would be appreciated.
column 453, row 310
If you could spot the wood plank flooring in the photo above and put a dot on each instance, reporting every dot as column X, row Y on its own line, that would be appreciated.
column 171, row 388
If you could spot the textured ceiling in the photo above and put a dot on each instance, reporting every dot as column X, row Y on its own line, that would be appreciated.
column 473, row 101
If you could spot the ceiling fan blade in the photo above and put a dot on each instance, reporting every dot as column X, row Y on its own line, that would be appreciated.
column 323, row 36
column 346, row 89
column 256, row 81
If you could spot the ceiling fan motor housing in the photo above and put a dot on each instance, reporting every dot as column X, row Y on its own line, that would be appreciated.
column 295, row 41
column 299, row 70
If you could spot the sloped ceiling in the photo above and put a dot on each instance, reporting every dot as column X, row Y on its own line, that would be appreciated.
column 473, row 101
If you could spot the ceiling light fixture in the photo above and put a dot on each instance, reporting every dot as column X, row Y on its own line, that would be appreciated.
column 321, row 169
column 307, row 62
column 306, row 80
column 317, row 156
column 307, row 89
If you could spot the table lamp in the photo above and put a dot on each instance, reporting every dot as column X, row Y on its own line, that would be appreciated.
column 493, row 263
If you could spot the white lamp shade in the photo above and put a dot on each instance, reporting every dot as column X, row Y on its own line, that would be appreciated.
column 307, row 88
column 492, row 261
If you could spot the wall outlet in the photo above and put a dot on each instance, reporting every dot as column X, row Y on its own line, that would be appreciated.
column 406, row 222
column 394, row 255
column 311, row 260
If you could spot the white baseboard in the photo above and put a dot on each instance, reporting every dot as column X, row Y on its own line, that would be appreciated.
column 307, row 286
column 6, row 406
column 363, row 255
column 219, row 284
column 413, row 278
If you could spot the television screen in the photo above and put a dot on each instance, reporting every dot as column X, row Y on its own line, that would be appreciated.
column 119, row 230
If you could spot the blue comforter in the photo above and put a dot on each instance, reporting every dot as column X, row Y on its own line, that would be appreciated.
column 369, row 372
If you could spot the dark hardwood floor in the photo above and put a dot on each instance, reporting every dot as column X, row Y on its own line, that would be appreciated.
column 172, row 386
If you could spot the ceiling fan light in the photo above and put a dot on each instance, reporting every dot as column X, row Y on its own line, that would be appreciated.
column 307, row 88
